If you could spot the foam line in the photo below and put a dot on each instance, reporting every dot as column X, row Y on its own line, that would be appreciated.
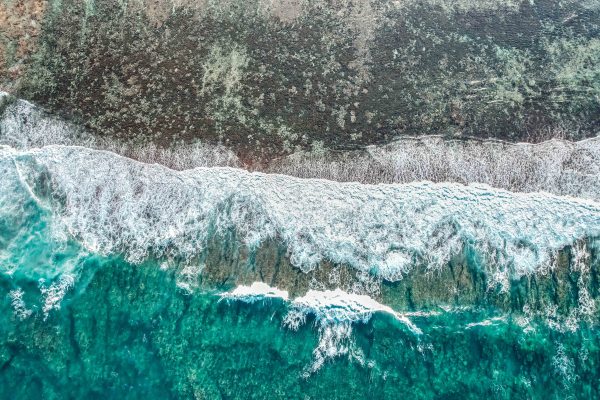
column 114, row 205
column 255, row 292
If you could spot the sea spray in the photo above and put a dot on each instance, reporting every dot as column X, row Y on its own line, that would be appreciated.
column 114, row 205
column 101, row 257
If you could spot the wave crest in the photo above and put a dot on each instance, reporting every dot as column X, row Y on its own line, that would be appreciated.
column 114, row 205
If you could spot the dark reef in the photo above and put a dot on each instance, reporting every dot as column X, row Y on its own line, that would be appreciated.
column 272, row 77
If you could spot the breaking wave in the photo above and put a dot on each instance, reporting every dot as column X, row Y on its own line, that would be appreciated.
column 23, row 125
column 556, row 166
column 114, row 205
column 335, row 312
column 255, row 292
column 72, row 202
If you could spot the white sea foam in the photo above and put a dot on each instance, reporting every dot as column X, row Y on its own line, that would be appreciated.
column 54, row 293
column 335, row 313
column 487, row 322
column 255, row 292
column 564, row 366
column 557, row 166
column 24, row 125
column 18, row 304
column 337, row 306
column 114, row 205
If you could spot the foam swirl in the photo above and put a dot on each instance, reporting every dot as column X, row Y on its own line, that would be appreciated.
column 114, row 205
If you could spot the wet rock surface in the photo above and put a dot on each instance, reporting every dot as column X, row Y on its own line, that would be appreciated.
column 271, row 77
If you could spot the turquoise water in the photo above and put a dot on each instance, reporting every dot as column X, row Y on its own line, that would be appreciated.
column 78, row 321
column 130, row 333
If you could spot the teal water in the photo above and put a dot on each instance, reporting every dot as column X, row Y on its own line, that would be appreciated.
column 78, row 322
column 130, row 333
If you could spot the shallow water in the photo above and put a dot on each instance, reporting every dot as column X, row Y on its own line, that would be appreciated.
column 95, row 307
column 131, row 333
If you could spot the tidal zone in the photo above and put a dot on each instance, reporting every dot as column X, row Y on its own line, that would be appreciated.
column 122, row 279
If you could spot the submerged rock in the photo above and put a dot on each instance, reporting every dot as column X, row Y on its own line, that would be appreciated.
column 135, row 262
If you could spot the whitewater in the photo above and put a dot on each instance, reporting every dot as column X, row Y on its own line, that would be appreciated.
column 114, row 205
column 557, row 166
column 71, row 214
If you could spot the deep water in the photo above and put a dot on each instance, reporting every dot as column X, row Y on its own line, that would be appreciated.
column 129, row 331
